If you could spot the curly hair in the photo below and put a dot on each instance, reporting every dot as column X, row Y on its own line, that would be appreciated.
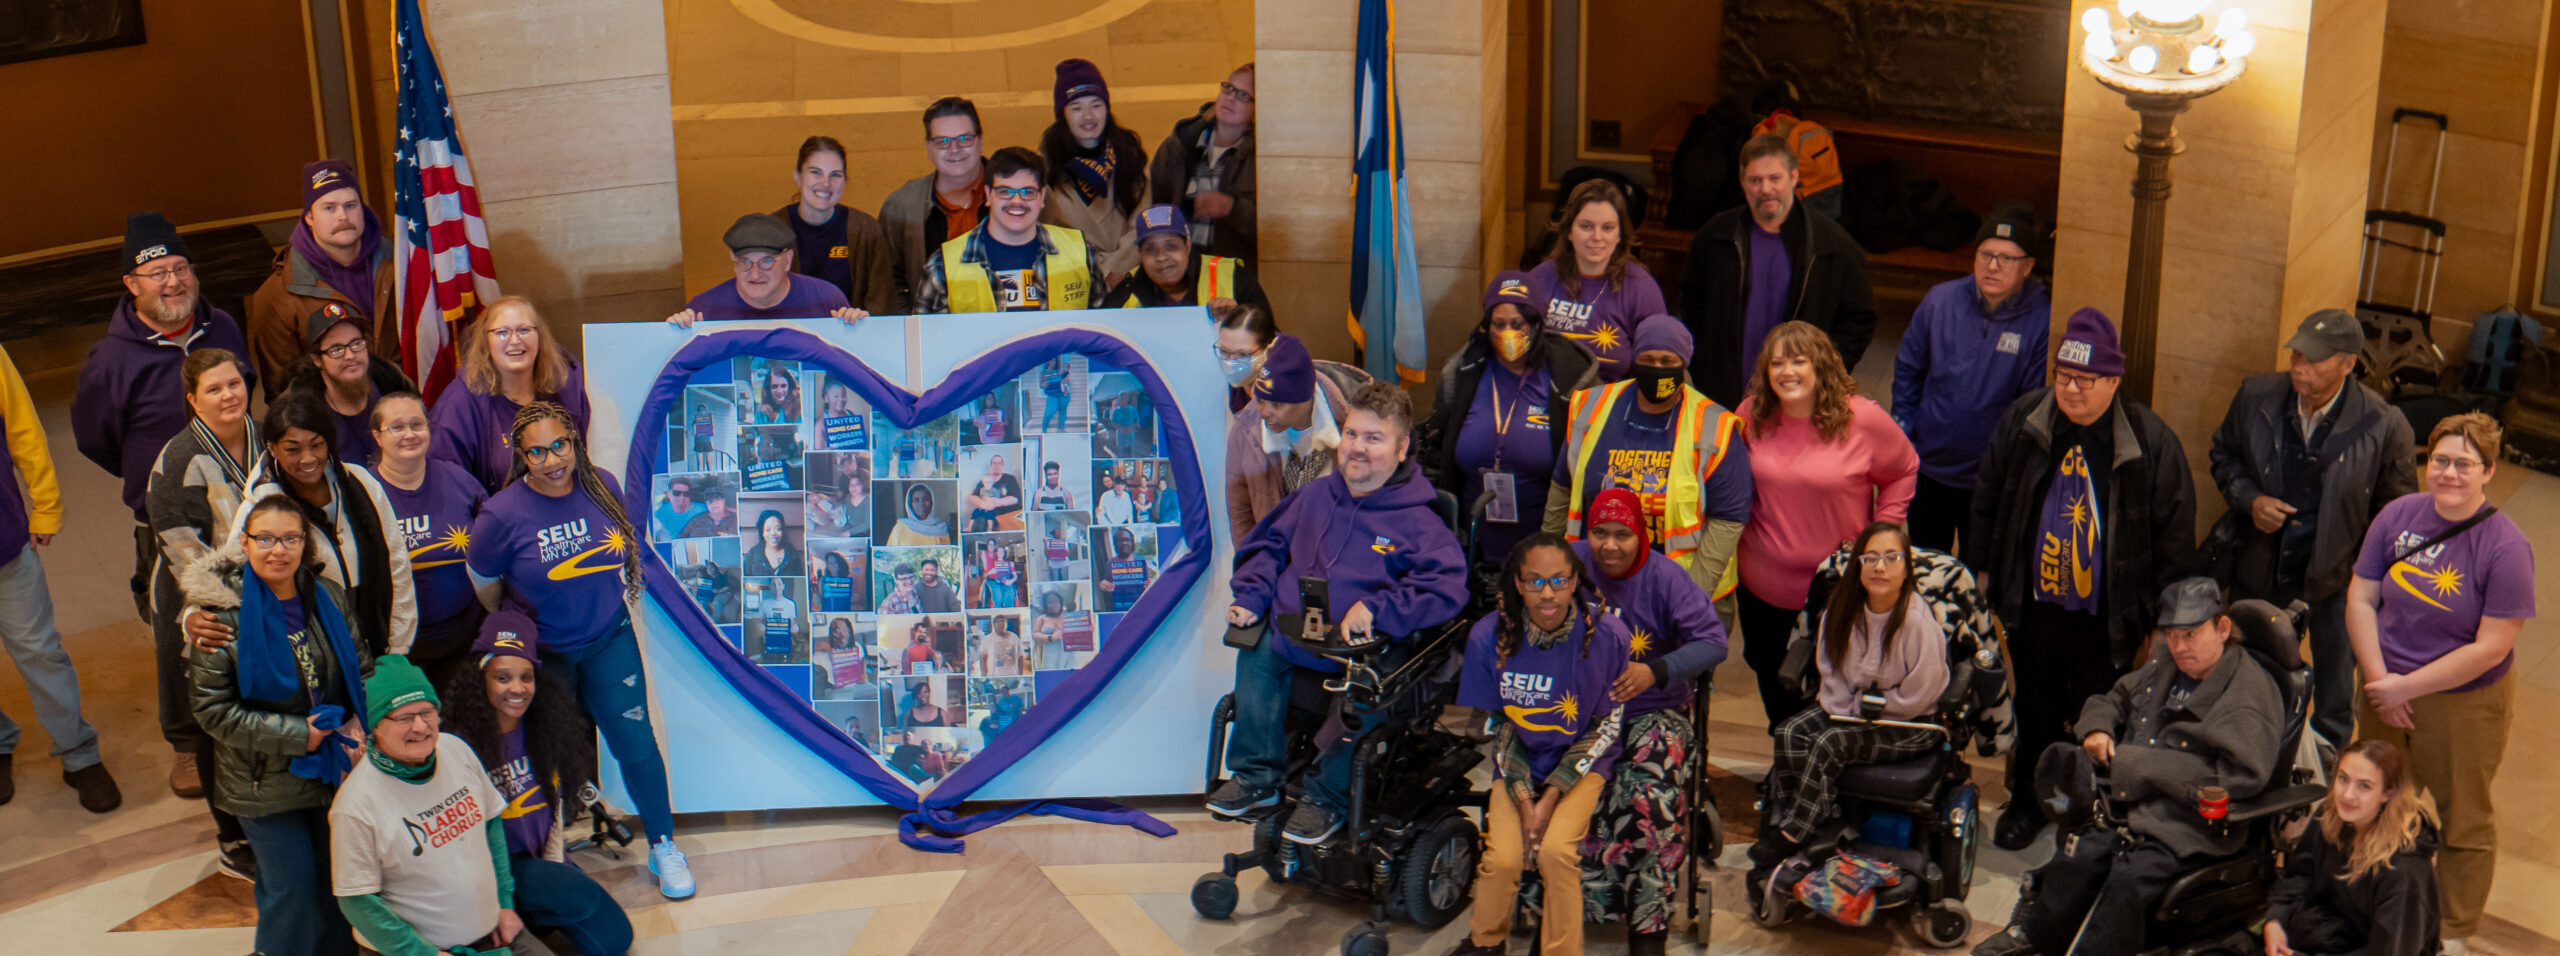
column 480, row 371
column 558, row 738
column 1833, row 386
column 1510, row 625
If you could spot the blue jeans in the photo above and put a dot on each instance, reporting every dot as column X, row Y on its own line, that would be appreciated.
column 1258, row 744
column 558, row 896
column 26, row 626
column 1053, row 415
column 297, row 913
column 615, row 691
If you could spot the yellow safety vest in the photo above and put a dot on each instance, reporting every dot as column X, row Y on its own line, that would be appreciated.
column 1709, row 430
column 1217, row 280
column 972, row 285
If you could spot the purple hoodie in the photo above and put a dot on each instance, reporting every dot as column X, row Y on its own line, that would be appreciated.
column 1387, row 548
column 132, row 395
column 1675, row 629
column 471, row 428
column 355, row 281
column 1959, row 369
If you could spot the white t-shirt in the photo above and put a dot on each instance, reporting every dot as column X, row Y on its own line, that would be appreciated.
column 423, row 846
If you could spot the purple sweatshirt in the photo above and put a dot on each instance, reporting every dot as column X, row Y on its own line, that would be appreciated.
column 1387, row 548
column 1582, row 318
column 471, row 428
column 132, row 394
column 1673, row 627
column 1959, row 369
column 808, row 297
column 1550, row 697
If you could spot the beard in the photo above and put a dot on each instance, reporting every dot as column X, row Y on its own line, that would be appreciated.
column 161, row 311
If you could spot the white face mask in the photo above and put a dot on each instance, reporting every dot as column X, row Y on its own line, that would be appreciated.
column 1238, row 371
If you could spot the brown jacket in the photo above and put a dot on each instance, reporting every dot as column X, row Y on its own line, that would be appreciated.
column 1254, row 479
column 913, row 220
column 866, row 246
column 291, row 293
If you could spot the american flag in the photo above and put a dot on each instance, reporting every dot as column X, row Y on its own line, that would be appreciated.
column 445, row 269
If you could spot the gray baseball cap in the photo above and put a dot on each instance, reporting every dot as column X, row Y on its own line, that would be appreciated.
column 2189, row 603
column 2327, row 333
column 759, row 230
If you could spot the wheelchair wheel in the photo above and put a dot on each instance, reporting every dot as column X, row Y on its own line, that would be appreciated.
column 1438, row 873
column 1213, row 896
column 1709, row 824
column 1364, row 940
column 1941, row 925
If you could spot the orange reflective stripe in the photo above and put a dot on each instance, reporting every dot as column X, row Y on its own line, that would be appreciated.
column 1726, row 422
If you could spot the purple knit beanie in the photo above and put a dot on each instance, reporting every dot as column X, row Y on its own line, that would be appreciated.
column 1288, row 373
column 1079, row 77
column 2089, row 345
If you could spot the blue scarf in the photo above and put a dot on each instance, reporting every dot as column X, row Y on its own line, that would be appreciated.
column 263, row 659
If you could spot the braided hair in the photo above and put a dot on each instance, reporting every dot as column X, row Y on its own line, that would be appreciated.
column 1510, row 624
column 589, row 480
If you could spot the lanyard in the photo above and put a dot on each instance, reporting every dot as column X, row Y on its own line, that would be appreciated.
column 1501, row 423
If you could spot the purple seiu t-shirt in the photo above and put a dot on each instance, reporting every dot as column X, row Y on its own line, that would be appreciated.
column 1764, row 291
column 808, row 297
column 561, row 554
column 436, row 521
column 527, row 816
column 1665, row 612
column 1549, row 696
column 1507, row 430
column 2070, row 546
column 2432, row 603
column 1600, row 319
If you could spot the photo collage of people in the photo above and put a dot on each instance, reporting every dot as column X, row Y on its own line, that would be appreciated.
column 927, row 585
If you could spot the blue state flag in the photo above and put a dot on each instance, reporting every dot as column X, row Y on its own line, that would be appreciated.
column 1386, row 287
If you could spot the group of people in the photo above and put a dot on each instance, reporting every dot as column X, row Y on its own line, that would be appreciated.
column 1636, row 483
column 327, row 581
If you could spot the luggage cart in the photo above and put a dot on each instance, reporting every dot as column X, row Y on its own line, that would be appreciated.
column 2399, row 349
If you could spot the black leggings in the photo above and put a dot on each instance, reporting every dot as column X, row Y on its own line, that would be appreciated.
column 1765, row 629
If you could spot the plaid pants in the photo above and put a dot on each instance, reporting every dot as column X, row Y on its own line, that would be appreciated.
column 1811, row 752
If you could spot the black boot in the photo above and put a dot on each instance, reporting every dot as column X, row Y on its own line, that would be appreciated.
column 2020, row 821
column 1646, row 944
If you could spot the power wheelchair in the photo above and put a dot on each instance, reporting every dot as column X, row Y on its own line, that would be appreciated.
column 1920, row 816
column 2204, row 906
column 1407, row 846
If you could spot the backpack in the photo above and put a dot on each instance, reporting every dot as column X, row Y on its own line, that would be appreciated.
column 2500, row 343
column 1817, row 163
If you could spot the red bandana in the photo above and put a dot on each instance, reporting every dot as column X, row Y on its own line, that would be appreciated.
column 1622, row 507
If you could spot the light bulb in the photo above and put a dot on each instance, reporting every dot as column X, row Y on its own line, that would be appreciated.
column 2239, row 45
column 2233, row 21
column 2095, row 21
column 2142, row 59
column 2099, row 47
column 2172, row 11
column 2203, row 59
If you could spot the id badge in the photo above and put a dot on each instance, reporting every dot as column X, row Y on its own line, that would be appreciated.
column 1505, row 492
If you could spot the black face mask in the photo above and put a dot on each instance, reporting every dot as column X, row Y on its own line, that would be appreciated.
column 1655, row 384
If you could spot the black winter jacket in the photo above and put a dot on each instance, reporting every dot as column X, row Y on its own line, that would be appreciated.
column 1828, row 288
column 2367, row 464
column 2149, row 515
column 2390, row 911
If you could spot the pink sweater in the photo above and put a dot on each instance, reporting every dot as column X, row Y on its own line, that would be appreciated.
column 1809, row 496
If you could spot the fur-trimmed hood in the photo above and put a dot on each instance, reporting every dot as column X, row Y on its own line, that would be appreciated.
column 212, row 582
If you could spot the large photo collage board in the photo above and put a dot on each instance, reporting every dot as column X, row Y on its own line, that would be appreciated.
column 926, row 586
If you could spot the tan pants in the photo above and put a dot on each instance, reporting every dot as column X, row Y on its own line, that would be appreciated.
column 2454, row 754
column 1559, row 865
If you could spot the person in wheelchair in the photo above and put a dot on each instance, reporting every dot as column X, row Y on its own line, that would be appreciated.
column 2199, row 717
column 1639, row 835
column 1542, row 666
column 1368, row 544
column 1882, row 657
column 2361, row 878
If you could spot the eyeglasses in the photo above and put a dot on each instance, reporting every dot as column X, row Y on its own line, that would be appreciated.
column 1561, row 582
column 537, row 454
column 1998, row 261
column 2459, row 466
column 1240, row 94
column 514, row 332
column 404, row 426
column 1225, row 353
column 760, row 263
column 270, row 542
column 422, row 718
column 170, row 274
column 344, row 349
column 2075, row 381
column 1880, row 559
column 1016, row 192
column 947, row 143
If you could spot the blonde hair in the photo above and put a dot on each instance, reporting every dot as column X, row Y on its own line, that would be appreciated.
column 1832, row 388
column 2478, row 430
column 2404, row 812
column 480, row 372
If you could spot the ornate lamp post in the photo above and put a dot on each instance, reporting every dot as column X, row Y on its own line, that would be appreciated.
column 2161, row 56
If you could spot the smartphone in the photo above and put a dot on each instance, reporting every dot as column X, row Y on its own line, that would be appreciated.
column 1314, row 596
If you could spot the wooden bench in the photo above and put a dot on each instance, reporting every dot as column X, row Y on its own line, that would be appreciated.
column 1982, row 169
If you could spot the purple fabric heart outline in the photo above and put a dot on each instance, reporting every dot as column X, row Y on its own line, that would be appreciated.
column 933, row 823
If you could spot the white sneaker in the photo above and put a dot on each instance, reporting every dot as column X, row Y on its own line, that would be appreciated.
column 675, row 876
column 2457, row 947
